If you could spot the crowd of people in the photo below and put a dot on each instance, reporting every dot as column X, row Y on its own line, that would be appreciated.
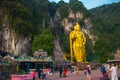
column 87, row 72
column 62, row 71
column 40, row 73
column 112, row 71
column 107, row 74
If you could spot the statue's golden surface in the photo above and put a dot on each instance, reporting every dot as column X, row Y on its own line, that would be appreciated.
column 77, row 44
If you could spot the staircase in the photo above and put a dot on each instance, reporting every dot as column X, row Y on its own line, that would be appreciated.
column 58, row 53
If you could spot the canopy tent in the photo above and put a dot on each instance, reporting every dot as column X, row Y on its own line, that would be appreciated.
column 114, row 61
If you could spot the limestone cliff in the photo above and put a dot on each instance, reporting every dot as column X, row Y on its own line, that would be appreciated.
column 10, row 42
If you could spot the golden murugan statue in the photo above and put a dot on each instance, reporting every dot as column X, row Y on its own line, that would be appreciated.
column 77, row 44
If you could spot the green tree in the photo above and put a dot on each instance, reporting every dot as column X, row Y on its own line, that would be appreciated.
column 89, row 49
column 76, row 6
column 18, row 17
column 64, row 41
column 44, row 41
column 52, row 7
column 106, row 27
column 102, row 49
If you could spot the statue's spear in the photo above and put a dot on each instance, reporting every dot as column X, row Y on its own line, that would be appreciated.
column 71, row 51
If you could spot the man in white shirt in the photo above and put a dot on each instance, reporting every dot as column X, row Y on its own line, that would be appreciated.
column 113, row 71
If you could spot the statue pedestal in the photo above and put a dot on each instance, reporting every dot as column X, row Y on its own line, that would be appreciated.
column 80, row 65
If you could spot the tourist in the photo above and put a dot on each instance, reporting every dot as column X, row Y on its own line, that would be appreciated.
column 34, row 74
column 43, row 75
column 48, row 71
column 72, row 70
column 39, row 73
column 77, row 71
column 60, row 71
column 113, row 71
column 64, row 72
column 103, row 69
column 104, row 73
column 53, row 70
column 88, row 72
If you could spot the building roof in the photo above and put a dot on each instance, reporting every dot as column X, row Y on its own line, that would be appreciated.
column 114, row 60
column 32, row 59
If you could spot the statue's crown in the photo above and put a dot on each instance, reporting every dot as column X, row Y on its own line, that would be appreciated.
column 77, row 26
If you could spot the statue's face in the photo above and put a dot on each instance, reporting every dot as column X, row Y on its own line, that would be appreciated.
column 77, row 27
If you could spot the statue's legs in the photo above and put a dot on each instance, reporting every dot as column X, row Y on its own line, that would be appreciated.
column 79, row 56
column 78, row 53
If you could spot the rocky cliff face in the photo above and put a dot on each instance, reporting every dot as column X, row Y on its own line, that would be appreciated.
column 10, row 42
column 68, row 23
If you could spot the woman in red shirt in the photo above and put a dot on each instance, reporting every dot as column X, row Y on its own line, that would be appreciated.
column 64, row 72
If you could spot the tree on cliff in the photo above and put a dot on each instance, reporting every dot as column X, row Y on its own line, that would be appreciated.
column 44, row 41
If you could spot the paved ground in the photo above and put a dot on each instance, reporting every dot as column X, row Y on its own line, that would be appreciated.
column 96, row 75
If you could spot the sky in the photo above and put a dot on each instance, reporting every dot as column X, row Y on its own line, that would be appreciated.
column 92, row 3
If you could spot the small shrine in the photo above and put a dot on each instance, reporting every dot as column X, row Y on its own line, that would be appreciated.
column 40, row 54
column 39, row 60
column 116, row 61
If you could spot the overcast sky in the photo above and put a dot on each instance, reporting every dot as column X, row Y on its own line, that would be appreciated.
column 92, row 3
